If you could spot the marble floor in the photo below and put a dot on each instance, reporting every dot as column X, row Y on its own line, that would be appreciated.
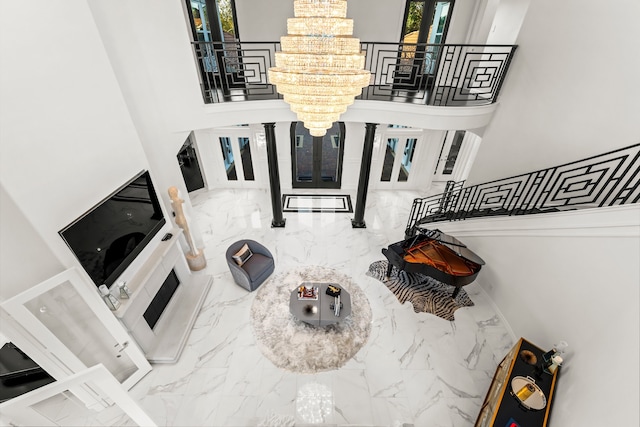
column 416, row 369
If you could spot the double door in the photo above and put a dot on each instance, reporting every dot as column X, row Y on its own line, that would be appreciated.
column 237, row 156
column 65, row 327
column 317, row 161
column 396, row 155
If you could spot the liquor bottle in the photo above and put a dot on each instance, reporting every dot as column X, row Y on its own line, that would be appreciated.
column 111, row 301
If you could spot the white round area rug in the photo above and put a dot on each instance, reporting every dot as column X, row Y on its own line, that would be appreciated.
column 297, row 346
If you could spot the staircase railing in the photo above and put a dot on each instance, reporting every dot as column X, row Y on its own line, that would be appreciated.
column 608, row 179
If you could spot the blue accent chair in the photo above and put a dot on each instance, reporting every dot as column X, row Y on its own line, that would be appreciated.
column 255, row 270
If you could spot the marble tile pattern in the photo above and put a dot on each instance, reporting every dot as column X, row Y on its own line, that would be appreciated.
column 415, row 370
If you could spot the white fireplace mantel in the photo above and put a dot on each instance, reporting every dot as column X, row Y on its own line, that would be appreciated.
column 165, row 342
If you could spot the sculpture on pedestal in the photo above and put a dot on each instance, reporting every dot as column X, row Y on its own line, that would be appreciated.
column 195, row 257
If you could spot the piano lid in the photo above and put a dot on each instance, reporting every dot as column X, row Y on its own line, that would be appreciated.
column 452, row 243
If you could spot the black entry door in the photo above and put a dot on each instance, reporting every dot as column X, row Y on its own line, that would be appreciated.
column 317, row 161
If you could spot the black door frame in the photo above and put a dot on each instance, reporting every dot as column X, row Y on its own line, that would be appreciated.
column 316, row 179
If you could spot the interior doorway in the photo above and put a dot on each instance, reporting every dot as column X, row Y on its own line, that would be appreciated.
column 190, row 166
column 457, row 153
column 316, row 162
column 396, row 155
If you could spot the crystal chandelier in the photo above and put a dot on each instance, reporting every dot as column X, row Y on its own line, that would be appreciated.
column 320, row 69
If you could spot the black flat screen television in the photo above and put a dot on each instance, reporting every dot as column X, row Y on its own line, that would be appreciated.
column 108, row 237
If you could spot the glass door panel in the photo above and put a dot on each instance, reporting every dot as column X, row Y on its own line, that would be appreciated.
column 237, row 160
column 59, row 307
column 303, row 156
column 449, row 153
column 214, row 23
column 425, row 26
column 227, row 158
column 450, row 162
column 394, row 160
column 389, row 159
column 245, row 155
column 200, row 20
column 330, row 159
column 407, row 158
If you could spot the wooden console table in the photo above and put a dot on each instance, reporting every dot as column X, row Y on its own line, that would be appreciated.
column 501, row 408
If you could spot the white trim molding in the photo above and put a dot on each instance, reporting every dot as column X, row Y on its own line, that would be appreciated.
column 613, row 221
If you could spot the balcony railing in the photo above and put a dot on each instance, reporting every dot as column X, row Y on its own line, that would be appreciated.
column 427, row 74
column 606, row 180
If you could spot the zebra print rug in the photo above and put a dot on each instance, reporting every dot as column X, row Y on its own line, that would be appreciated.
column 425, row 293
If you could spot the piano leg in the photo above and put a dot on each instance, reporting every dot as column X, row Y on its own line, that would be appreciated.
column 456, row 291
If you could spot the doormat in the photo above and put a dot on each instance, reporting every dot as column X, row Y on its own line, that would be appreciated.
column 316, row 203
column 425, row 293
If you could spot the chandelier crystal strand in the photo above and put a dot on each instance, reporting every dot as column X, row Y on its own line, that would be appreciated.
column 320, row 69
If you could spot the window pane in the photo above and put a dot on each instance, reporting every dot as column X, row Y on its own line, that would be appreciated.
column 226, row 19
column 304, row 154
column 330, row 154
column 389, row 156
column 200, row 20
column 440, row 14
column 245, row 156
column 407, row 158
column 227, row 158
column 453, row 152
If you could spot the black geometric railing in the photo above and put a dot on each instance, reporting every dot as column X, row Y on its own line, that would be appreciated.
column 428, row 74
column 606, row 180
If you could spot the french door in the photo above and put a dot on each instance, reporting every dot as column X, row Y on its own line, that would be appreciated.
column 457, row 154
column 448, row 166
column 396, row 156
column 238, row 152
column 425, row 27
column 317, row 161
column 69, row 325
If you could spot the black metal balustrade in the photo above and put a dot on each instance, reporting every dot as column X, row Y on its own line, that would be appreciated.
column 427, row 74
column 606, row 180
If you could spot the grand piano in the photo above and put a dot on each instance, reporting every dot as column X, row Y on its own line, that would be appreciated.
column 435, row 254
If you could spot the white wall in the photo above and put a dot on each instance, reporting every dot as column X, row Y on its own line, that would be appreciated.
column 571, row 90
column 66, row 138
column 573, row 277
column 374, row 20
column 507, row 21
column 263, row 20
column 21, row 246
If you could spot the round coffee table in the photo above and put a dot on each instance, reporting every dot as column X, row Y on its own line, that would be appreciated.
column 320, row 311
